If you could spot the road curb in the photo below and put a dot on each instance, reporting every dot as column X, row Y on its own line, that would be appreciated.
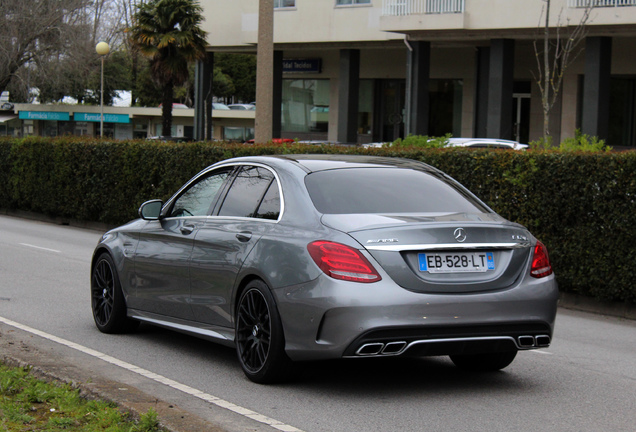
column 588, row 304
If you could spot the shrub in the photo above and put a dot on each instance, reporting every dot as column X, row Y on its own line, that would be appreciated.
column 580, row 143
column 580, row 204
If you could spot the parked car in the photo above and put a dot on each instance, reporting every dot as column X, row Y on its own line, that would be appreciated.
column 248, row 107
column 176, row 106
column 170, row 139
column 309, row 257
column 273, row 141
column 486, row 143
column 219, row 106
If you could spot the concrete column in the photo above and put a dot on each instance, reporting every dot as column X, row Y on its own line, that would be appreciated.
column 482, row 78
column 203, row 77
column 417, row 93
column 501, row 76
column 596, row 86
column 349, row 89
column 264, row 72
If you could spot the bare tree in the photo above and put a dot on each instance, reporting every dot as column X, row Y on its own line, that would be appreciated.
column 559, row 49
column 30, row 29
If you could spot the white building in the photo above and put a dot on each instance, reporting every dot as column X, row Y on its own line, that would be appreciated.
column 374, row 70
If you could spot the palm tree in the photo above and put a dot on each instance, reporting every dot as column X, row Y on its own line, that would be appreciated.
column 168, row 32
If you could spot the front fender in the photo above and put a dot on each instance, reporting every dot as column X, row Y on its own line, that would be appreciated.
column 121, row 244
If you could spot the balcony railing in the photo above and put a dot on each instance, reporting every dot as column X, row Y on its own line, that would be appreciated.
column 418, row 7
column 600, row 3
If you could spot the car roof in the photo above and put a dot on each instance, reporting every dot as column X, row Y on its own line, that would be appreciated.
column 323, row 162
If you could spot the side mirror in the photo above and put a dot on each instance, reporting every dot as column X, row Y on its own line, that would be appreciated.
column 151, row 210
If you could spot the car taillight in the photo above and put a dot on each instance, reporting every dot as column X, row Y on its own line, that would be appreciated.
column 342, row 262
column 540, row 262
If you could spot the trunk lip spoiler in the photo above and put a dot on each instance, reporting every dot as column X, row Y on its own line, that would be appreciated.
column 446, row 246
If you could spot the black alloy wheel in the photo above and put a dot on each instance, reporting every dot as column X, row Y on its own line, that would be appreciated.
column 260, row 343
column 107, row 299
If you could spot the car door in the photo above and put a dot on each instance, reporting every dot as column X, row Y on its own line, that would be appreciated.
column 251, row 207
column 165, row 246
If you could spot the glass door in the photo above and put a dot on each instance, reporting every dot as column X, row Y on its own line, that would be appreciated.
column 392, row 108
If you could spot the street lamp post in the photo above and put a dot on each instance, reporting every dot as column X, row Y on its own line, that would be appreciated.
column 102, row 49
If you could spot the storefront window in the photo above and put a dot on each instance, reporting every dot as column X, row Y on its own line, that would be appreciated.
column 622, row 116
column 305, row 105
column 49, row 128
column 446, row 97
column 238, row 134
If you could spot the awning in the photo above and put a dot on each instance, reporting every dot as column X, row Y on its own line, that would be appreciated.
column 7, row 117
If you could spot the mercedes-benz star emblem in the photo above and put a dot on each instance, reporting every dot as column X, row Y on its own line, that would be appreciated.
column 460, row 235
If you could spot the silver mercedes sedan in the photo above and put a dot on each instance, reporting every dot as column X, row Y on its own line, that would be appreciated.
column 308, row 257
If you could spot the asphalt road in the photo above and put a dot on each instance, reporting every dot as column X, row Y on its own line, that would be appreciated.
column 586, row 381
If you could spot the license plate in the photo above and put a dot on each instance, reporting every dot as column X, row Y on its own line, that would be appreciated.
column 456, row 262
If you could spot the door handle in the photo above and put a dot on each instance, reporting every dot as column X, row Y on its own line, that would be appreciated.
column 187, row 229
column 244, row 236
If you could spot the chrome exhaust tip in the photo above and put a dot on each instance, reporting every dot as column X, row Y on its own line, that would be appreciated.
column 370, row 349
column 394, row 348
column 526, row 341
column 543, row 341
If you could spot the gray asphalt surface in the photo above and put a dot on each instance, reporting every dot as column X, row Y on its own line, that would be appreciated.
column 586, row 381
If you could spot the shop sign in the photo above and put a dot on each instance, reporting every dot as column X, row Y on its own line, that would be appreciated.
column 108, row 118
column 302, row 65
column 44, row 115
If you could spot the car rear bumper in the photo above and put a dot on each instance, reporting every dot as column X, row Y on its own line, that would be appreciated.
column 332, row 319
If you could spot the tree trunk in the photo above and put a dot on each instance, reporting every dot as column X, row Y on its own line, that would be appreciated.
column 166, row 111
column 546, row 65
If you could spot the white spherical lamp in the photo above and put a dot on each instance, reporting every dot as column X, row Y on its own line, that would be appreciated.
column 102, row 48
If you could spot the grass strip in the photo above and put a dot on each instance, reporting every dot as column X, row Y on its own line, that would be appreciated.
column 31, row 404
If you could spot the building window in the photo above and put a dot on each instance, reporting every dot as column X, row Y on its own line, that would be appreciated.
column 284, row 4
column 351, row 2
column 305, row 105
column 622, row 116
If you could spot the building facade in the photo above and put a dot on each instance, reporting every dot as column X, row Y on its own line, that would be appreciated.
column 51, row 120
column 375, row 70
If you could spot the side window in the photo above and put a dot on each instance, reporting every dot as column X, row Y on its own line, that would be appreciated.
column 247, row 191
column 348, row 2
column 198, row 198
column 270, row 205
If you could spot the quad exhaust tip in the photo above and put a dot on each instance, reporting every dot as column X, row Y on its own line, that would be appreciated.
column 540, row 341
column 379, row 348
column 398, row 347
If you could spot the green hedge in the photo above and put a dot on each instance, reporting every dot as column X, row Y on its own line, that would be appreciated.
column 582, row 206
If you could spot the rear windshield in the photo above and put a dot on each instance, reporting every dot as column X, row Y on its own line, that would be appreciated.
column 387, row 190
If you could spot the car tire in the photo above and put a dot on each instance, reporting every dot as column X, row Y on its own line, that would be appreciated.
column 260, row 342
column 489, row 362
column 107, row 299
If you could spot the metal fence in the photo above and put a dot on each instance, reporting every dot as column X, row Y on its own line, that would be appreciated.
column 600, row 3
column 415, row 7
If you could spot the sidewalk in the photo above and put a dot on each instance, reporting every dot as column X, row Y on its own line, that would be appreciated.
column 588, row 304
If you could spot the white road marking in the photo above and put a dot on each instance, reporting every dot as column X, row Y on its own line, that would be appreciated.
column 158, row 378
column 41, row 248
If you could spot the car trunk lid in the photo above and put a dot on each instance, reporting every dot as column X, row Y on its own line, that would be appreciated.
column 442, row 253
